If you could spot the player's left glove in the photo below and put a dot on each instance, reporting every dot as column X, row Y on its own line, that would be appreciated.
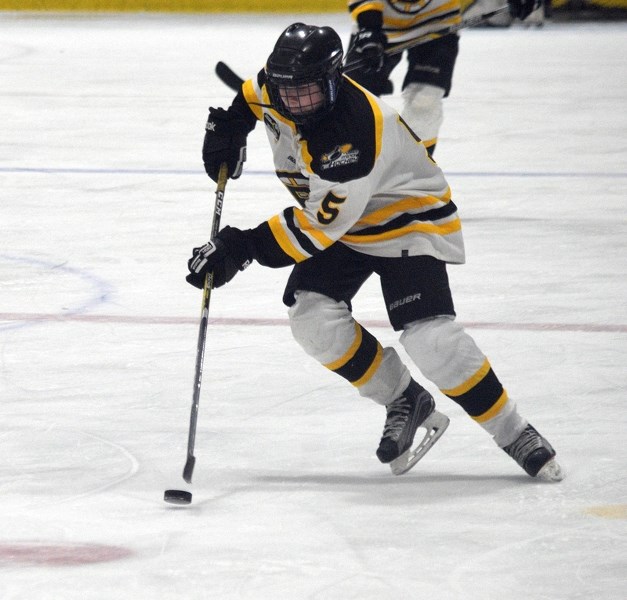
column 225, row 255
column 521, row 9
column 368, row 46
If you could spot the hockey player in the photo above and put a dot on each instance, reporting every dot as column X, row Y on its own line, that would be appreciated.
column 371, row 201
column 380, row 24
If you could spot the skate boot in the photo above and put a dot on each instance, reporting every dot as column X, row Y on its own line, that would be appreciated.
column 535, row 455
column 414, row 409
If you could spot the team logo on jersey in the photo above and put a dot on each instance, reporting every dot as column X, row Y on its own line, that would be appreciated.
column 340, row 156
column 273, row 126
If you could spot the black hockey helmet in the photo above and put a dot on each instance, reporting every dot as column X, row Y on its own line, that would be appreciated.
column 305, row 58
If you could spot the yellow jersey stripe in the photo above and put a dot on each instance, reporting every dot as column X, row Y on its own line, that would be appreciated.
column 306, row 227
column 407, row 22
column 402, row 206
column 378, row 125
column 304, row 150
column 280, row 235
column 250, row 95
column 427, row 228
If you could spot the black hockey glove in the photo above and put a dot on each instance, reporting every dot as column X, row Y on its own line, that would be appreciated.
column 225, row 141
column 367, row 48
column 225, row 255
column 521, row 9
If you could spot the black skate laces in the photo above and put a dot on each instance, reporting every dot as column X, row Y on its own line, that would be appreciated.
column 397, row 417
column 528, row 441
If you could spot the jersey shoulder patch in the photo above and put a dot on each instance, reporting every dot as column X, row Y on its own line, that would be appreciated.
column 344, row 145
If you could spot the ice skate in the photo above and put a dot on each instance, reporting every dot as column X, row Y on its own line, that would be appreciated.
column 414, row 409
column 535, row 455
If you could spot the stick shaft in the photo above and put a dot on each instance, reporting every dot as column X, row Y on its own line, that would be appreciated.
column 202, row 332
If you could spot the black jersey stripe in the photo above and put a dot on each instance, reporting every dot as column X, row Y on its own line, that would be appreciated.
column 303, row 240
column 435, row 214
column 295, row 175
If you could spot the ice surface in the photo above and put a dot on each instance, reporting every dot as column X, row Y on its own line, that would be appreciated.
column 103, row 195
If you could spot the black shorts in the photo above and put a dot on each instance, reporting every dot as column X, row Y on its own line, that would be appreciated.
column 414, row 287
column 431, row 63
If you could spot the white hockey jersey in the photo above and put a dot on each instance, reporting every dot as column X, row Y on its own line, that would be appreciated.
column 405, row 20
column 361, row 177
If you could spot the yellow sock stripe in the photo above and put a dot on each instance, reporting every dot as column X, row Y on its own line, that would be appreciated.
column 495, row 410
column 367, row 376
column 471, row 382
column 348, row 355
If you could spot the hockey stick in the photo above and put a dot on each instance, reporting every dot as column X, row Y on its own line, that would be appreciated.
column 234, row 81
column 202, row 332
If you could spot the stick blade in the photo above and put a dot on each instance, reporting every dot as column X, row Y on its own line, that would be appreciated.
column 189, row 468
column 228, row 76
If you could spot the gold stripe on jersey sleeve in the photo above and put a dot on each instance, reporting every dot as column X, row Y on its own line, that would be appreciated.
column 376, row 113
column 378, row 119
column 427, row 228
column 279, row 231
column 404, row 205
column 350, row 353
column 496, row 408
column 305, row 226
column 306, row 155
column 250, row 95
column 470, row 382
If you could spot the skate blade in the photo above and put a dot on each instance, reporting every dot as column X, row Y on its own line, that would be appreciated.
column 551, row 472
column 435, row 424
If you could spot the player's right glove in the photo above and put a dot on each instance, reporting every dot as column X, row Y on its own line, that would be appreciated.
column 521, row 9
column 368, row 48
column 224, row 255
column 225, row 141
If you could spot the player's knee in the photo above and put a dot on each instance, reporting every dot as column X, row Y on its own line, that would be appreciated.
column 317, row 322
column 442, row 350
column 422, row 109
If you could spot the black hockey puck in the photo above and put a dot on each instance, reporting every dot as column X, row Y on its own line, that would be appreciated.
column 177, row 497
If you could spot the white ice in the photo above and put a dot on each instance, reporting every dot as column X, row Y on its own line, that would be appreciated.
column 103, row 196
